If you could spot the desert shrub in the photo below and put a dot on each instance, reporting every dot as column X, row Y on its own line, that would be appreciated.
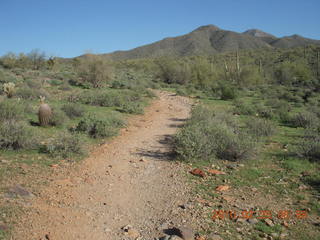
column 228, row 92
column 106, row 98
column 32, row 83
column 94, row 71
column 58, row 118
column 181, row 92
column 73, row 110
column 284, row 117
column 207, row 136
column 258, row 127
column 118, row 84
column 15, row 135
column 264, row 111
column 314, row 109
column 293, row 73
column 64, row 145
column 65, row 87
column 309, row 146
column 244, row 108
column 173, row 71
column 11, row 109
column 31, row 93
column 99, row 128
column 305, row 119
column 132, row 108
column 56, row 82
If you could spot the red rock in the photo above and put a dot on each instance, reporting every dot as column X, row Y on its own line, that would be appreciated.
column 198, row 172
column 222, row 188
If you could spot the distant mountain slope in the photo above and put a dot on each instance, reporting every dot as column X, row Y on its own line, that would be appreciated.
column 266, row 37
column 210, row 39
column 293, row 41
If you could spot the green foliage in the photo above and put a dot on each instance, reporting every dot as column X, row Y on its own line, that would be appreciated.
column 173, row 71
column 132, row 108
column 228, row 92
column 305, row 119
column 293, row 73
column 73, row 110
column 58, row 118
column 99, row 128
column 260, row 127
column 11, row 110
column 63, row 145
column 26, row 92
column 94, row 71
column 309, row 146
column 244, row 108
column 208, row 135
column 15, row 135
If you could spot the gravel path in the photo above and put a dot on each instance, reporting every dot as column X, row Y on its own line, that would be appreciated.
column 127, row 189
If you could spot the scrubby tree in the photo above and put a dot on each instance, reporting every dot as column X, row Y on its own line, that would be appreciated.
column 94, row 71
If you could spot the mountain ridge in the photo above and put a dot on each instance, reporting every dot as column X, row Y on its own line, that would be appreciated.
column 210, row 39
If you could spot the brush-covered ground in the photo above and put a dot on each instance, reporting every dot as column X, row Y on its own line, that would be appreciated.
column 250, row 149
column 257, row 161
column 83, row 117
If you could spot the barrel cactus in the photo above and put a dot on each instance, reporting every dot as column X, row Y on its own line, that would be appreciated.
column 44, row 113
column 9, row 89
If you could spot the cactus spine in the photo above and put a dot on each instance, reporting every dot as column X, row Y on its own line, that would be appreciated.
column 44, row 113
column 9, row 89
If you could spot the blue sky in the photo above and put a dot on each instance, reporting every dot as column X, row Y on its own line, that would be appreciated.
column 68, row 28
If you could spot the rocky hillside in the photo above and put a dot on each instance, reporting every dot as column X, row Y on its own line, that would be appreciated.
column 210, row 40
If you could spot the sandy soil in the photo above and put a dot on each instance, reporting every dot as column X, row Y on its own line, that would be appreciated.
column 129, row 180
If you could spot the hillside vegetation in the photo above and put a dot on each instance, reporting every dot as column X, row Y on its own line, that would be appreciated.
column 257, row 107
column 210, row 39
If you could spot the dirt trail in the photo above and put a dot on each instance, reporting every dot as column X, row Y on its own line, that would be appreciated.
column 129, row 180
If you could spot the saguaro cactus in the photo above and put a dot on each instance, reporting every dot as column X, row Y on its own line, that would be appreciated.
column 9, row 89
column 44, row 113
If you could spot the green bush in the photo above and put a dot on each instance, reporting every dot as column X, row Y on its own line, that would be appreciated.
column 58, row 118
column 207, row 136
column 305, row 119
column 31, row 93
column 309, row 146
column 228, row 92
column 132, row 108
column 15, row 135
column 258, row 127
column 11, row 109
column 73, row 110
column 243, row 108
column 264, row 111
column 106, row 98
column 94, row 71
column 99, row 128
column 64, row 145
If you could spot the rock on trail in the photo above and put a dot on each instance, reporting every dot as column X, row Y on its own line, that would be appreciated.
column 129, row 181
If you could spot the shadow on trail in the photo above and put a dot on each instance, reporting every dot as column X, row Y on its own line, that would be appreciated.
column 164, row 152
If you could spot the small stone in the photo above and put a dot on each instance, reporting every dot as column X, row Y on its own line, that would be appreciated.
column 186, row 233
column 133, row 233
column 241, row 220
column 18, row 191
column 269, row 222
column 253, row 220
